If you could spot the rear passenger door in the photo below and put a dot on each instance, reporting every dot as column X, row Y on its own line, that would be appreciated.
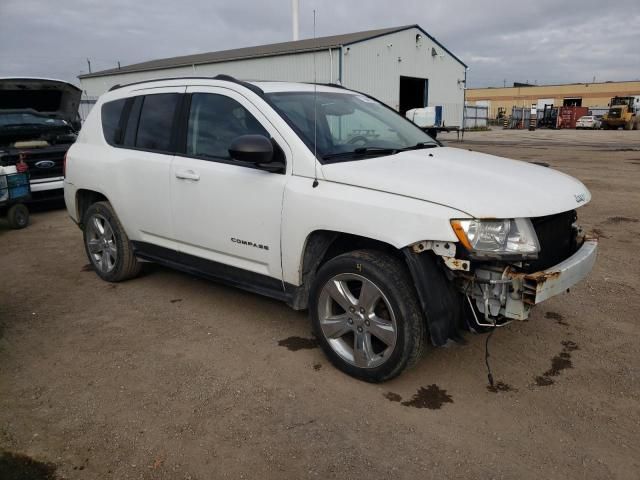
column 224, row 212
column 144, row 170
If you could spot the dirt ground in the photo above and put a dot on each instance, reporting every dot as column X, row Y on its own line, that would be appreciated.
column 173, row 377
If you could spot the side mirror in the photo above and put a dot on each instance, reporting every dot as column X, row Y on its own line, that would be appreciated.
column 251, row 149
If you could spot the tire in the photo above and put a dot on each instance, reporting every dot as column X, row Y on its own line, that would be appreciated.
column 18, row 216
column 388, row 323
column 107, row 245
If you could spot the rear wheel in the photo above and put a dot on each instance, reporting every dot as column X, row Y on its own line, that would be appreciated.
column 107, row 245
column 366, row 316
column 18, row 216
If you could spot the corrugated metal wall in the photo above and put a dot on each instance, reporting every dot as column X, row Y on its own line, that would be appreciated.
column 294, row 68
column 373, row 66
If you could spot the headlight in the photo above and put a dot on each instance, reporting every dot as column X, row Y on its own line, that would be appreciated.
column 514, row 236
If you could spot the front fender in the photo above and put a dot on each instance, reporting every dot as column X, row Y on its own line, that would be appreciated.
column 392, row 219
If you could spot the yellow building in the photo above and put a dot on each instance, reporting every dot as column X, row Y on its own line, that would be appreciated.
column 501, row 99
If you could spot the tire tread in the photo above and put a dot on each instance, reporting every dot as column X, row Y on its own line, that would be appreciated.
column 128, row 265
column 398, row 285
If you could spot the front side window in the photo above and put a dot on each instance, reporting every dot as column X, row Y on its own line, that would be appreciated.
column 156, row 121
column 344, row 126
column 214, row 122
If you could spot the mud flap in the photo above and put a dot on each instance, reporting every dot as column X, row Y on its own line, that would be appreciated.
column 440, row 302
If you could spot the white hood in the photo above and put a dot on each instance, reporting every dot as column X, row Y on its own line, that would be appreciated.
column 480, row 185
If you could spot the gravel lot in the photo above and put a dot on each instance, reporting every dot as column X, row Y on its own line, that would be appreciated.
column 172, row 377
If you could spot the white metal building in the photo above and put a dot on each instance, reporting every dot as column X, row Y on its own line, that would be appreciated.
column 404, row 67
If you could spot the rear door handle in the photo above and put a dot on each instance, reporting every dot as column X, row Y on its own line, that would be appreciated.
column 188, row 175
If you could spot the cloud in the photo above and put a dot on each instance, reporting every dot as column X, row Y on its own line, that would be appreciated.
column 502, row 41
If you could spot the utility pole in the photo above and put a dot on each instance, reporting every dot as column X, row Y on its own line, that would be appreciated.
column 295, row 7
column 464, row 102
column 89, row 63
column 118, row 64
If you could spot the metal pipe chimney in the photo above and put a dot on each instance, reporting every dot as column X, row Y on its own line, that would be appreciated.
column 295, row 7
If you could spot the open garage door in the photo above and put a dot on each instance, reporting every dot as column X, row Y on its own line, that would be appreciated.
column 414, row 93
column 572, row 102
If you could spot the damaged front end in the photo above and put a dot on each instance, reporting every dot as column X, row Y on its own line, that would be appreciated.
column 499, row 290
column 486, row 287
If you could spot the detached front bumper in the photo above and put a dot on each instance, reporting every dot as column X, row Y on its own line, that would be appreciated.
column 540, row 286
column 508, row 294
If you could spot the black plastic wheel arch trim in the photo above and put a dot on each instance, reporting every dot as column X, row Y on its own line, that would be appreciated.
column 440, row 303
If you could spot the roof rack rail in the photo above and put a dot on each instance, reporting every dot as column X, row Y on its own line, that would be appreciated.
column 223, row 77
column 250, row 86
column 329, row 84
column 117, row 86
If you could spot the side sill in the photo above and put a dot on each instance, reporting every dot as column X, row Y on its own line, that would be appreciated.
column 218, row 272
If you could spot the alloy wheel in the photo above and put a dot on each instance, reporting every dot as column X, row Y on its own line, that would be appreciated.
column 101, row 243
column 357, row 320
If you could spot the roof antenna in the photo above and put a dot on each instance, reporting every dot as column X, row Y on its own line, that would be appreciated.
column 315, row 111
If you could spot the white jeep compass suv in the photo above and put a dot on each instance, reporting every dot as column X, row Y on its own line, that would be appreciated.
column 328, row 200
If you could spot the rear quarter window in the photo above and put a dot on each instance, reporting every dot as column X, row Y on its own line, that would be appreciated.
column 111, row 113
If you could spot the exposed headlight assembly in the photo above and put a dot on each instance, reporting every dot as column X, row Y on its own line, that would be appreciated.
column 496, row 238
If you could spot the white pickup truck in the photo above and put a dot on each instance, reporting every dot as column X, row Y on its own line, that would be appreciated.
column 328, row 200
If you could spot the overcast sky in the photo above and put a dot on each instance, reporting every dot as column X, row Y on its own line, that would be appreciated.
column 543, row 41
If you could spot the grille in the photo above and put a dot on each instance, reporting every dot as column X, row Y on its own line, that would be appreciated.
column 56, row 155
column 557, row 238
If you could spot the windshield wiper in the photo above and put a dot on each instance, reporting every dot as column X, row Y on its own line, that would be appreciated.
column 419, row 146
column 362, row 151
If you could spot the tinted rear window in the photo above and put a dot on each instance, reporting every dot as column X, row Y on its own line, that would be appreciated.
column 156, row 120
column 111, row 112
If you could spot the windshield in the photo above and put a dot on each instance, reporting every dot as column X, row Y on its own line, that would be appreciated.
column 615, row 112
column 349, row 125
column 26, row 118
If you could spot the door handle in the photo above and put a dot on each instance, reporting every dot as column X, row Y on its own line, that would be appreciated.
column 188, row 175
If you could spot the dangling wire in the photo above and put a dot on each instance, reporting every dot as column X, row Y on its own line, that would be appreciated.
column 486, row 357
column 486, row 343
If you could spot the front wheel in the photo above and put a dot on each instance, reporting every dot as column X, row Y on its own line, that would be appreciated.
column 107, row 245
column 366, row 316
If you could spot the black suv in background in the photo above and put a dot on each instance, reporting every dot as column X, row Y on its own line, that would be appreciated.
column 38, row 117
